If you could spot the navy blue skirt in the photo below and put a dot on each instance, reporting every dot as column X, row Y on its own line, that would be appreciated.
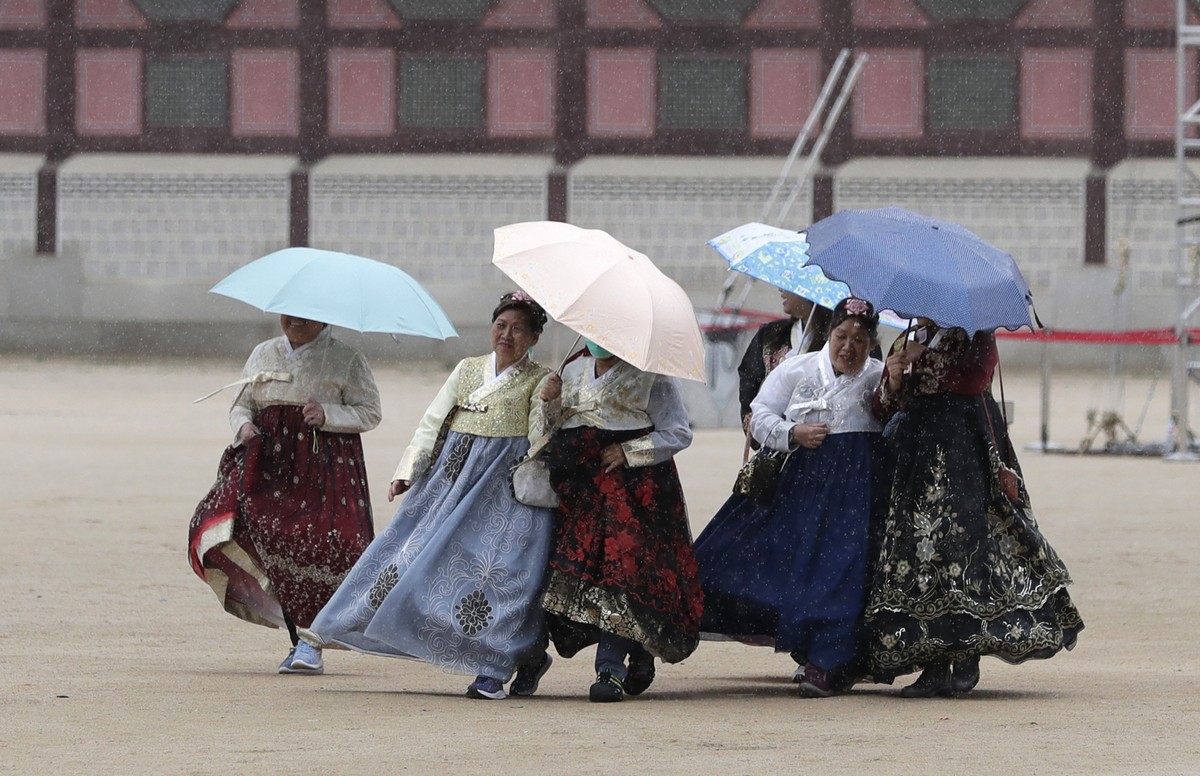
column 792, row 574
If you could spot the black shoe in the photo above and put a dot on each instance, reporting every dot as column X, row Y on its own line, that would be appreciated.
column 529, row 675
column 934, row 680
column 607, row 689
column 640, row 675
column 965, row 676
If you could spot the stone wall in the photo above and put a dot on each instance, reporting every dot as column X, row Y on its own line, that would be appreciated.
column 141, row 238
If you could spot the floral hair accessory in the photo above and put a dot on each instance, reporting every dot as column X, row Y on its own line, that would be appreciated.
column 856, row 306
column 859, row 309
column 517, row 296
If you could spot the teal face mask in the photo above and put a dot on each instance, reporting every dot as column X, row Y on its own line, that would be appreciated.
column 596, row 350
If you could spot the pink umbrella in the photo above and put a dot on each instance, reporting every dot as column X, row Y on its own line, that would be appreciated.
column 605, row 291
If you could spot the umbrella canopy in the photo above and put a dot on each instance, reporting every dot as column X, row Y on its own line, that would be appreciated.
column 607, row 292
column 779, row 257
column 920, row 266
column 338, row 289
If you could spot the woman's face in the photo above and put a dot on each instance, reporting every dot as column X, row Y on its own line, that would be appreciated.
column 795, row 305
column 299, row 331
column 849, row 346
column 512, row 337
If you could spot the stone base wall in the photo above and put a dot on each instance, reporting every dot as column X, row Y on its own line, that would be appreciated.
column 142, row 238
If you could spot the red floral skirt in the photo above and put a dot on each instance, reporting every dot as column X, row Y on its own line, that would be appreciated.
column 283, row 524
column 622, row 557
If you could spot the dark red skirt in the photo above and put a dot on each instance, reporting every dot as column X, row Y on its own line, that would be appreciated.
column 283, row 524
column 622, row 558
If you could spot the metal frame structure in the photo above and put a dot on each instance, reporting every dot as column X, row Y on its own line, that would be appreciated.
column 814, row 154
column 1181, row 440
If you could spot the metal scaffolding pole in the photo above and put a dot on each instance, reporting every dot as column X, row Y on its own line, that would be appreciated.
column 1179, row 444
column 728, row 297
column 1187, row 241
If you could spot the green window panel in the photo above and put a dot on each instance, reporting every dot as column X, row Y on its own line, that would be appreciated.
column 443, row 10
column 213, row 11
column 187, row 91
column 979, row 10
column 701, row 93
column 972, row 92
column 703, row 11
column 441, row 91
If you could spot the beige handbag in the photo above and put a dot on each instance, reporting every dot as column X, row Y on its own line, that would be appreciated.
column 531, row 475
column 531, row 483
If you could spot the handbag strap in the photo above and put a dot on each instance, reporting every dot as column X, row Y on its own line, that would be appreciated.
column 1003, row 403
column 1007, row 454
column 540, row 443
column 987, row 414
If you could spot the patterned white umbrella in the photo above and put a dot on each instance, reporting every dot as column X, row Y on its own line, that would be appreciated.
column 604, row 290
column 779, row 257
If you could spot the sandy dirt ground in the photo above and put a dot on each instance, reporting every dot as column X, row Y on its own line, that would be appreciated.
column 116, row 659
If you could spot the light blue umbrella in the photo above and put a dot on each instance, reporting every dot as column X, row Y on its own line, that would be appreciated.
column 339, row 289
column 779, row 257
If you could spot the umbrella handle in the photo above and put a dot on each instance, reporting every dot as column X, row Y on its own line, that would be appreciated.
column 572, row 354
column 809, row 335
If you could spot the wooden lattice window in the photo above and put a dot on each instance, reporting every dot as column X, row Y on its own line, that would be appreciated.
column 167, row 11
column 971, row 10
column 702, row 93
column 190, row 91
column 442, row 10
column 704, row 11
column 441, row 91
column 972, row 92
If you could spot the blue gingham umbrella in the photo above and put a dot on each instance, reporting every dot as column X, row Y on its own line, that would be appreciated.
column 779, row 257
column 339, row 289
column 921, row 266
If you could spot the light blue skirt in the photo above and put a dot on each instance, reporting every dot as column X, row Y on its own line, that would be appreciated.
column 455, row 579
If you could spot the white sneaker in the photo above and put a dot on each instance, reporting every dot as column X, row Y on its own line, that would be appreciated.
column 306, row 660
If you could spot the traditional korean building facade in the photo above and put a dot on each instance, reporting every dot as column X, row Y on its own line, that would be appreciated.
column 148, row 147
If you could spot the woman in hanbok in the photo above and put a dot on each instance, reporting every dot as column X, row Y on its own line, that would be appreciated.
column 290, row 512
column 622, row 574
column 791, row 572
column 454, row 580
column 963, row 570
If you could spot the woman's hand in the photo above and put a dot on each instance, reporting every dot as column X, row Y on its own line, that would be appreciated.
column 553, row 387
column 247, row 432
column 397, row 487
column 809, row 435
column 613, row 457
column 314, row 413
column 899, row 362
